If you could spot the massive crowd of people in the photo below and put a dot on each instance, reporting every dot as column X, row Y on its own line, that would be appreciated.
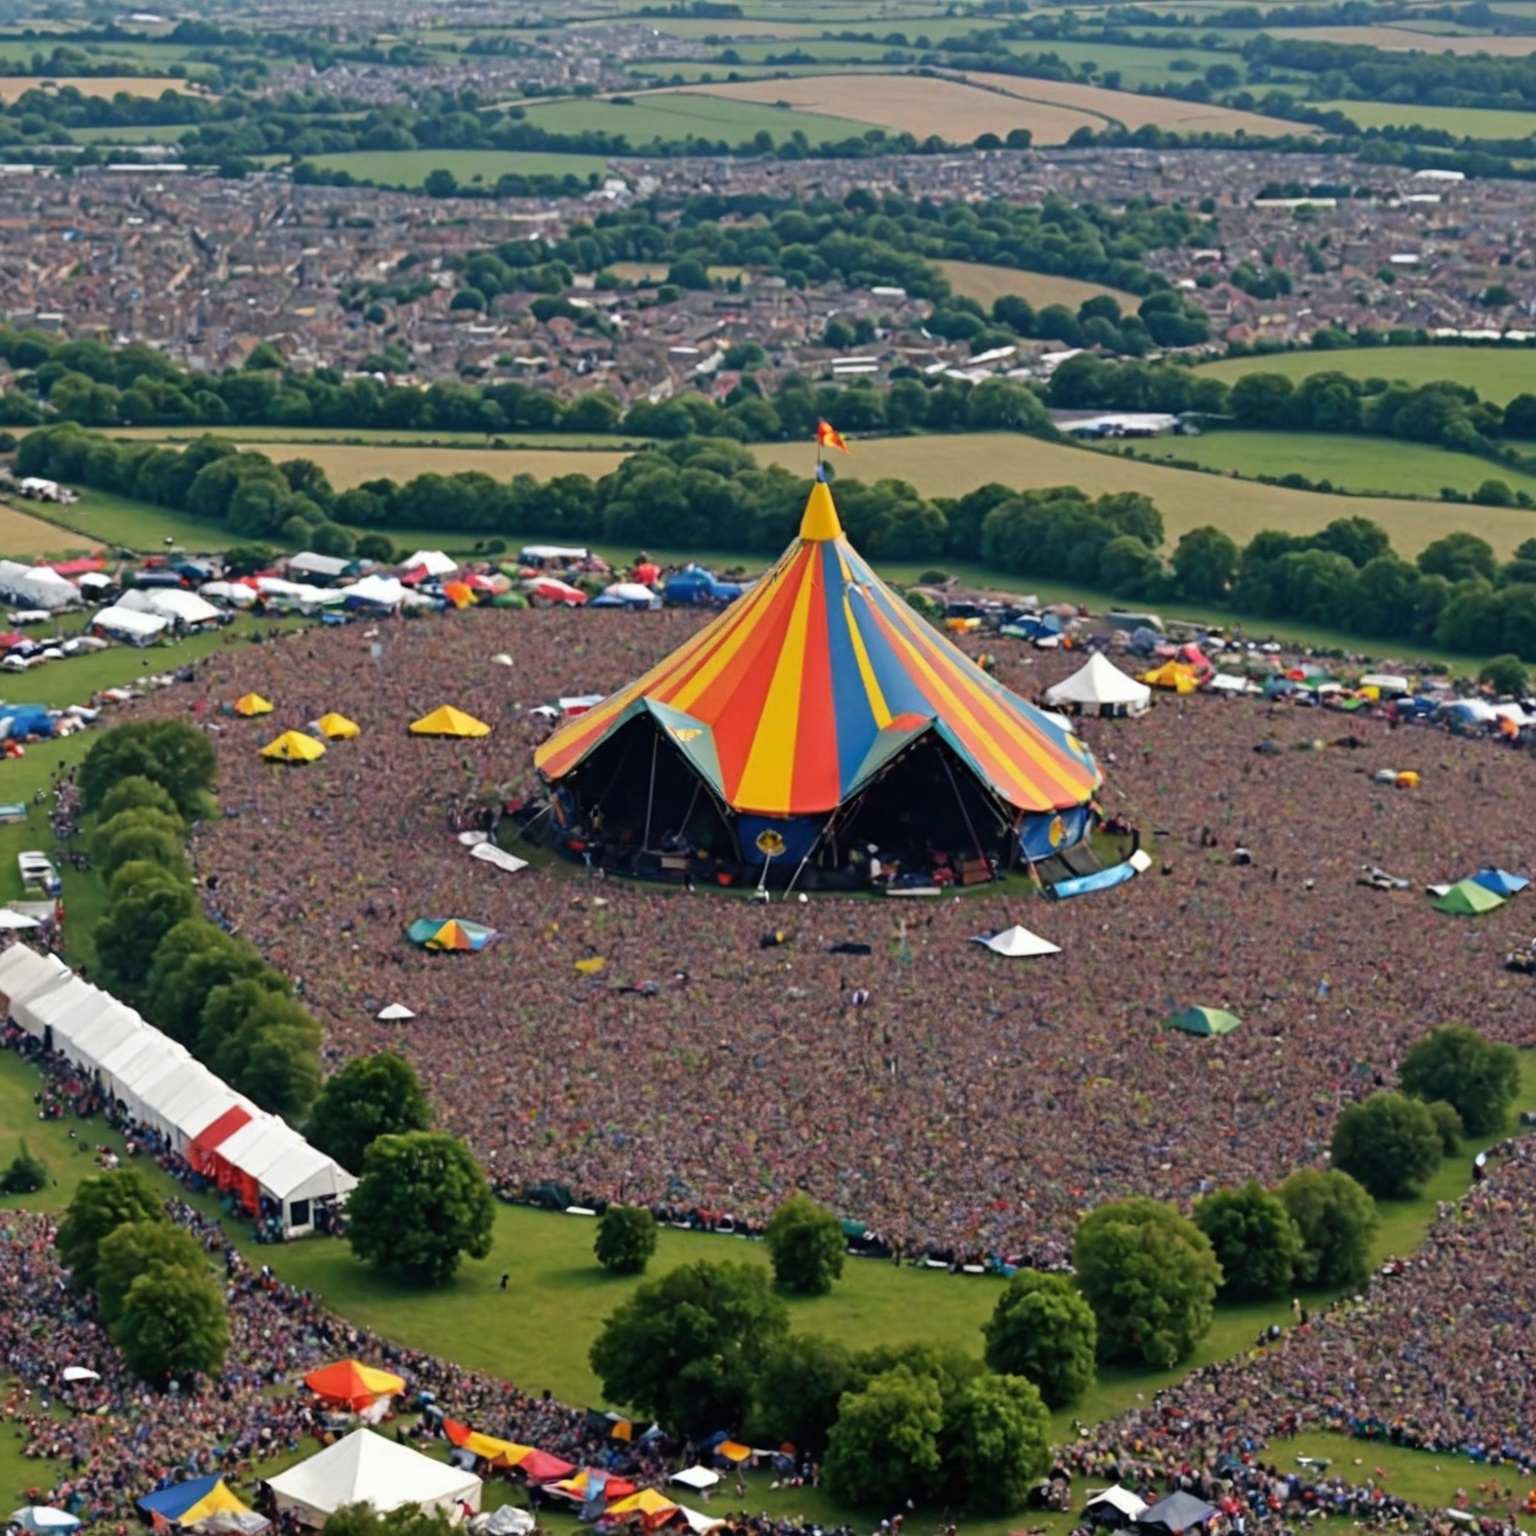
column 953, row 1100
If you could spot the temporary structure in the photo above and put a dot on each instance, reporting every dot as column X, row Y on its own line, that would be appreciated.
column 351, row 1384
column 365, row 1468
column 1204, row 1021
column 1500, row 881
column 395, row 1011
column 448, row 721
column 43, row 1520
column 27, row 973
column 818, row 705
column 433, row 561
column 489, row 853
column 1017, row 943
column 1469, row 899
column 450, row 933
column 130, row 625
column 293, row 747
column 1173, row 675
column 1178, row 1512
column 1099, row 687
column 336, row 727
column 1114, row 1506
column 192, row 1502
column 251, row 704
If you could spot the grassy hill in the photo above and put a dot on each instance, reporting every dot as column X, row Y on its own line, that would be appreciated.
column 1496, row 373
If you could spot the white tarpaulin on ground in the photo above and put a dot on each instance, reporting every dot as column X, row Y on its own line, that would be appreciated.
column 491, row 854
column 365, row 1468
column 1100, row 687
column 1017, row 943
column 697, row 1478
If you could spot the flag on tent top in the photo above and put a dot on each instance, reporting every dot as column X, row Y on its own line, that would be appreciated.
column 827, row 436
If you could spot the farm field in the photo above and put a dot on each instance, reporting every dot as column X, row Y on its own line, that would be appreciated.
column 677, row 114
column 656, row 271
column 14, row 87
column 1471, row 122
column 1404, row 38
column 139, row 133
column 348, row 465
column 1496, row 373
column 22, row 535
column 300, row 438
column 949, row 108
column 1361, row 464
column 825, row 50
column 1135, row 111
column 1137, row 66
column 977, row 280
column 411, row 167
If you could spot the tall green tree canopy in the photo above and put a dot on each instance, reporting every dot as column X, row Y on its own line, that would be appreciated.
column 1478, row 1078
column 1043, row 1330
column 1257, row 1243
column 1336, row 1219
column 173, row 1324
column 372, row 1096
column 806, row 1245
column 1391, row 1144
column 135, row 1248
column 101, row 1204
column 626, row 1239
column 170, row 753
column 997, row 1443
column 884, row 1447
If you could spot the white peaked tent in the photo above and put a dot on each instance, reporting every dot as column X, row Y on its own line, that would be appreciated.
column 365, row 1468
column 1119, row 1499
column 383, row 590
column 39, row 1012
column 134, row 1057
column 114, row 1025
column 176, row 1091
column 146, row 1077
column 129, row 624
column 433, row 561
column 26, row 973
column 173, row 603
column 1099, row 687
column 1017, row 943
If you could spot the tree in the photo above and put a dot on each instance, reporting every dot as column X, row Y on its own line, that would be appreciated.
column 626, row 1239
column 100, row 1206
column 1043, row 1330
column 372, row 1096
column 1256, row 1242
column 1448, row 1123
column 142, row 833
column 189, row 962
column 135, row 1248
column 1205, row 562
column 170, row 753
column 409, row 1520
column 686, row 1348
column 1505, row 675
column 806, row 1244
column 1150, row 1276
column 1478, row 1078
column 997, row 1443
column 274, row 1056
column 1336, row 1219
column 1388, row 1142
column 25, row 1174
column 137, row 793
column 1457, row 556
column 422, row 1203
column 884, row 1447
column 173, row 1325
column 798, row 1390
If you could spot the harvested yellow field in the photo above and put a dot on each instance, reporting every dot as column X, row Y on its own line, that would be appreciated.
column 22, row 535
column 347, row 464
column 1138, row 111
column 913, row 104
column 1407, row 38
column 14, row 87
column 656, row 271
column 976, row 280
column 951, row 466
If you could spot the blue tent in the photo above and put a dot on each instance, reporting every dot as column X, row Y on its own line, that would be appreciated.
column 182, row 1499
column 25, row 720
column 1500, row 881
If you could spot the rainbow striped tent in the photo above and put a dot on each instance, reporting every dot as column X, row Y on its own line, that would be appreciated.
column 809, row 691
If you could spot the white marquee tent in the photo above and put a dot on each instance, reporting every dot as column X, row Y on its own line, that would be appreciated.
column 366, row 1468
column 173, row 603
column 26, row 973
column 39, row 1012
column 1099, row 687
column 128, row 624
column 1017, row 943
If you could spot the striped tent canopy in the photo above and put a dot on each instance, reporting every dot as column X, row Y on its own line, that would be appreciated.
column 798, row 694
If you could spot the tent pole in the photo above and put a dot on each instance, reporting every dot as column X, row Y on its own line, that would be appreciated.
column 815, row 844
column 960, row 801
column 650, row 794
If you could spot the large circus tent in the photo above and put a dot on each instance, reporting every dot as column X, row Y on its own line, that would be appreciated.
column 822, row 727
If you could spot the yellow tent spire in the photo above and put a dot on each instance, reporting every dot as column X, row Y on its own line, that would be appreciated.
column 820, row 520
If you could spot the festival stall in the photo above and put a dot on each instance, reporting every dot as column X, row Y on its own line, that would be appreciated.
column 365, row 1468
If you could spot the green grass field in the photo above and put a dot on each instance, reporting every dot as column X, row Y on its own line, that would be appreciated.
column 142, row 133
column 1496, row 373
column 473, row 167
column 1372, row 465
column 1474, row 123
column 1137, row 66
column 393, row 437
column 666, row 115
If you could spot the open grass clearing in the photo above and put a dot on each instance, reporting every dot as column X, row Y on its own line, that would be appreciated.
column 404, row 437
column 348, row 464
column 914, row 104
column 1496, row 373
column 22, row 535
column 693, row 72
column 822, row 50
column 674, row 115
column 1136, row 66
column 656, row 271
column 1472, row 122
column 694, row 27
column 473, row 167
column 977, row 280
column 1402, row 38
column 139, row 133
column 1371, row 465
column 14, row 87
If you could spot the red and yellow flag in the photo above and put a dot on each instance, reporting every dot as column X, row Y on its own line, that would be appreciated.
column 827, row 436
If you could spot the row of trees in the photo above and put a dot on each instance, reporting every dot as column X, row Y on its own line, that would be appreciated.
column 154, row 1291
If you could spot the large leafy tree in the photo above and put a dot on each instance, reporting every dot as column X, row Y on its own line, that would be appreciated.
column 139, row 833
column 799, row 1387
column 1336, row 1219
column 136, row 793
column 134, row 1249
column 170, row 753
column 1257, row 1243
column 1391, row 1144
column 274, row 1057
column 145, row 903
column 189, row 962
column 1478, row 1078
column 372, row 1096
column 997, row 1442
column 1043, row 1330
column 884, row 1447
column 626, row 1239
column 421, row 1204
column 409, row 1520
column 1150, row 1276
column 687, row 1348
column 806, row 1245
column 101, row 1204
column 173, row 1324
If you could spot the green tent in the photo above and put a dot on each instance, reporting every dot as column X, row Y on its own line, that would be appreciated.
column 1468, row 899
column 509, row 600
column 1205, row 1021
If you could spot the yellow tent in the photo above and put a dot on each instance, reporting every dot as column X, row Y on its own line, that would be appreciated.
column 647, row 1502
column 336, row 727
column 1171, row 674
column 500, row 1453
column 252, row 704
column 449, row 721
column 291, row 747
